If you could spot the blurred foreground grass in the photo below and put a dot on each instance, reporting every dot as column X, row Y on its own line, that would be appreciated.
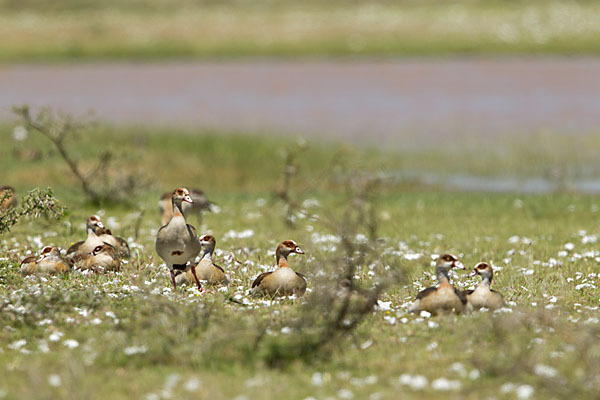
column 79, row 29
column 126, row 335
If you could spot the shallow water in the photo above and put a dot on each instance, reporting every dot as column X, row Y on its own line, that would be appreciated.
column 375, row 102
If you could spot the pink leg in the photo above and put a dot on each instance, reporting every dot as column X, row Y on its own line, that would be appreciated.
column 173, row 280
column 196, row 278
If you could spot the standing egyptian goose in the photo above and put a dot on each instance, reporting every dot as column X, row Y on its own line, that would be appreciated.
column 7, row 198
column 177, row 242
column 444, row 298
column 88, row 245
column 49, row 261
column 206, row 269
column 284, row 280
column 102, row 258
column 199, row 205
column 118, row 243
column 483, row 296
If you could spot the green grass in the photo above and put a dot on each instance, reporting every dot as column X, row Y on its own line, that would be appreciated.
column 205, row 346
column 74, row 30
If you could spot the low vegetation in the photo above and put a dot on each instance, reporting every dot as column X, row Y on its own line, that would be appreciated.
column 127, row 334
column 81, row 29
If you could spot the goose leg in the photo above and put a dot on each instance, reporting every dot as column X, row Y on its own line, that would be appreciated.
column 196, row 278
column 173, row 279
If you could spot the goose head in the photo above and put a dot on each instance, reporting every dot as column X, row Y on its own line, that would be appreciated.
column 94, row 223
column 105, row 248
column 484, row 270
column 286, row 248
column 208, row 242
column 181, row 195
column 48, row 251
column 448, row 261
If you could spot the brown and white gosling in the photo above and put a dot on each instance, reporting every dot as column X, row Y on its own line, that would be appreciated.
column 206, row 269
column 91, row 242
column 118, row 243
column 177, row 242
column 7, row 198
column 199, row 205
column 483, row 296
column 444, row 298
column 284, row 280
column 49, row 261
column 103, row 258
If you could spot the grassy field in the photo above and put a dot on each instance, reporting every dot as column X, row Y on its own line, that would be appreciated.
column 127, row 335
column 81, row 29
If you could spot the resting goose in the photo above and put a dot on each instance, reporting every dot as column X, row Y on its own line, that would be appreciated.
column 206, row 269
column 284, row 280
column 444, row 298
column 483, row 296
column 49, row 261
column 118, row 243
column 177, row 242
column 88, row 245
column 102, row 258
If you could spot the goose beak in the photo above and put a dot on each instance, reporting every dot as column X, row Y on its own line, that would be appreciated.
column 473, row 273
column 459, row 265
column 100, row 225
column 298, row 250
column 188, row 199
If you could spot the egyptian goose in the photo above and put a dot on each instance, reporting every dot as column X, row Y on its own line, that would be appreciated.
column 118, row 243
column 284, row 280
column 88, row 245
column 206, row 269
column 102, row 258
column 10, row 200
column 177, row 242
column 483, row 296
column 49, row 261
column 444, row 298
column 199, row 205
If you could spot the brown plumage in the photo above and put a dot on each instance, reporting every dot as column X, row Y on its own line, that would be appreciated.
column 444, row 298
column 10, row 200
column 283, row 281
column 118, row 243
column 88, row 245
column 102, row 258
column 49, row 261
column 199, row 205
column 483, row 296
column 177, row 242
column 206, row 269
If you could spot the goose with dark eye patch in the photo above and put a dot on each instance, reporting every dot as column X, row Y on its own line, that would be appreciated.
column 483, row 296
column 118, row 243
column 199, row 205
column 284, row 280
column 206, row 269
column 88, row 245
column 177, row 242
column 444, row 298
column 103, row 258
column 49, row 262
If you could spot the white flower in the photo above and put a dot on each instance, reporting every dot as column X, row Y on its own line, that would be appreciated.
column 192, row 384
column 317, row 379
column 131, row 350
column 345, row 394
column 71, row 343
column 569, row 246
column 445, row 384
column 54, row 380
column 20, row 133
column 514, row 239
column 425, row 314
column 524, row 392
column 545, row 371
column 17, row 344
column 416, row 382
